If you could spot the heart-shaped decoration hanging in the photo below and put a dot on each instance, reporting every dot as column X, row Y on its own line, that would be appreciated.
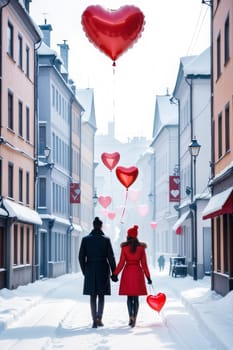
column 105, row 201
column 113, row 31
column 156, row 302
column 110, row 160
column 127, row 176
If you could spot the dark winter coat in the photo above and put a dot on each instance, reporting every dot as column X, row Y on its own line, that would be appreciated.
column 135, row 268
column 97, row 263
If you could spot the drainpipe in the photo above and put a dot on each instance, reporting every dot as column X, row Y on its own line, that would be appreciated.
column 35, row 257
column 9, row 271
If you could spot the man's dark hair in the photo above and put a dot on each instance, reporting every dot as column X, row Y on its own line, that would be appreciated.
column 97, row 223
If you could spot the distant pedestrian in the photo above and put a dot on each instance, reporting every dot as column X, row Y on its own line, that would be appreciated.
column 97, row 263
column 133, row 264
column 161, row 262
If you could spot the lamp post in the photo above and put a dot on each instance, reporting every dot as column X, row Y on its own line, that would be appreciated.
column 194, row 149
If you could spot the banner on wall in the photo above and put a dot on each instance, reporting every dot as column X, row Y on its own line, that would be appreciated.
column 174, row 188
column 75, row 193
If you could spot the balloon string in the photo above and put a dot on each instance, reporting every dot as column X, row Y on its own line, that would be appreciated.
column 111, row 188
column 113, row 96
column 123, row 211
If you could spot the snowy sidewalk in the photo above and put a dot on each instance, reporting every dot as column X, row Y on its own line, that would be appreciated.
column 57, row 311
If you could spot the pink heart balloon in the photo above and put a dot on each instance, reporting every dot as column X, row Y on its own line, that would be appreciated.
column 111, row 215
column 105, row 201
column 156, row 302
column 110, row 160
column 153, row 224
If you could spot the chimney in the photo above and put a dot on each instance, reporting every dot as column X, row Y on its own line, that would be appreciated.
column 46, row 29
column 64, row 51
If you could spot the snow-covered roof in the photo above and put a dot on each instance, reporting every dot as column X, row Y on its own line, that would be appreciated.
column 166, row 113
column 46, row 50
column 21, row 212
column 86, row 99
column 197, row 65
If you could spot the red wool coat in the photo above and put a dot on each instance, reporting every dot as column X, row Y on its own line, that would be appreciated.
column 134, row 266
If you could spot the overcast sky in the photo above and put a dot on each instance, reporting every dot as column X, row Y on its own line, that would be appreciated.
column 173, row 29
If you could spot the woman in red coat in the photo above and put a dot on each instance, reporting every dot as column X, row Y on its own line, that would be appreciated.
column 133, row 262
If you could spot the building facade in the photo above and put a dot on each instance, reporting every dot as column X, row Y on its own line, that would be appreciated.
column 192, row 93
column 164, row 162
column 18, row 218
column 220, row 206
column 58, row 165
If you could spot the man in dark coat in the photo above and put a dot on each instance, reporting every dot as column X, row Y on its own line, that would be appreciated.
column 96, row 258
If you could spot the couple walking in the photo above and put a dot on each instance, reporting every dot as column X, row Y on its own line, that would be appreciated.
column 97, row 262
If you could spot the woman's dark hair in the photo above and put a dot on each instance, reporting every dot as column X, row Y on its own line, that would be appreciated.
column 97, row 223
column 133, row 243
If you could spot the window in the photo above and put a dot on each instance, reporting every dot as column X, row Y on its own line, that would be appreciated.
column 27, row 124
column 20, row 52
column 42, row 192
column 218, row 244
column 21, row 244
column 20, row 185
column 27, row 61
column 15, row 244
column 227, row 127
column 218, row 56
column 42, row 139
column 1, row 176
column 226, row 226
column 28, row 246
column 227, row 40
column 27, row 187
column 2, row 247
column 20, row 116
column 10, row 40
column 10, row 179
column 220, row 135
column 10, row 111
column 53, row 96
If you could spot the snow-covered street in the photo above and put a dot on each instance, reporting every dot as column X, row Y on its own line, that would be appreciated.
column 53, row 314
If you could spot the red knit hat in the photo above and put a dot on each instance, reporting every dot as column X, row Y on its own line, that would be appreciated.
column 133, row 231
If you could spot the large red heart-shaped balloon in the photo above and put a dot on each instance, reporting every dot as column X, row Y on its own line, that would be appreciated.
column 105, row 201
column 127, row 176
column 113, row 31
column 110, row 160
column 156, row 302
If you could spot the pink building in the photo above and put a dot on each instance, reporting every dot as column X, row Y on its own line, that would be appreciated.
column 18, row 219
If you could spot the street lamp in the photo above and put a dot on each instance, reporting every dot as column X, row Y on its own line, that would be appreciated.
column 95, row 198
column 194, row 149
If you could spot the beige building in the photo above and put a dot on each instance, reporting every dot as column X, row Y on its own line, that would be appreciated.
column 18, row 219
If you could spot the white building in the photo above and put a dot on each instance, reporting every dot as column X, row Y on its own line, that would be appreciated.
column 192, row 91
column 164, row 162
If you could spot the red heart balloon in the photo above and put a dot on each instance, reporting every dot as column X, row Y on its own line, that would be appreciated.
column 110, row 160
column 127, row 176
column 156, row 302
column 113, row 31
column 105, row 201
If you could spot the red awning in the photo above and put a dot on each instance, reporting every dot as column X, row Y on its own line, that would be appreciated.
column 221, row 203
